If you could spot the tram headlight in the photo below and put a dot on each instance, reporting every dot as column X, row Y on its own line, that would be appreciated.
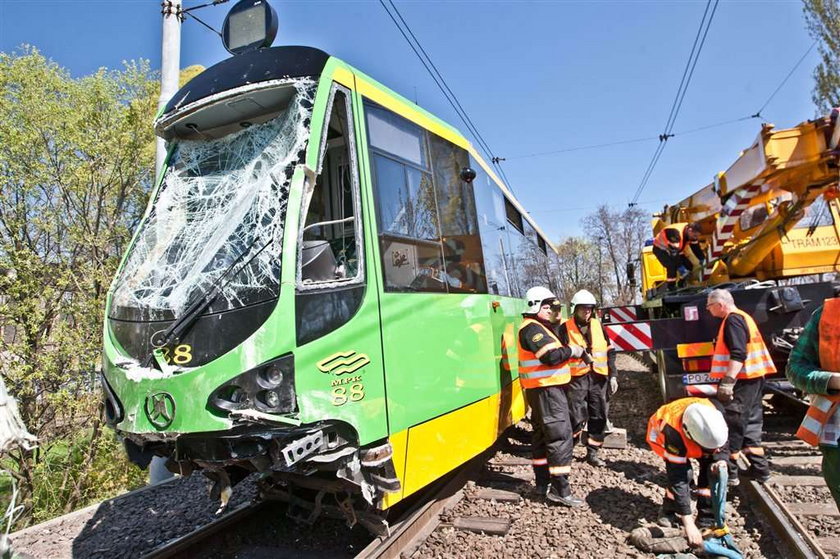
column 273, row 376
column 269, row 388
column 270, row 398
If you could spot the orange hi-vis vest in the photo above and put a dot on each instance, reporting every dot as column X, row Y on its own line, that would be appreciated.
column 821, row 425
column 533, row 373
column 758, row 362
column 598, row 352
column 671, row 414
column 661, row 240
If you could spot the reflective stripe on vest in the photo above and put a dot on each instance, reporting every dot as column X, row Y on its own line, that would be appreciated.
column 661, row 240
column 671, row 414
column 758, row 361
column 598, row 352
column 533, row 373
column 820, row 425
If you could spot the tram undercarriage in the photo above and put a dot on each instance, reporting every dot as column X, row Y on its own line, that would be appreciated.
column 316, row 469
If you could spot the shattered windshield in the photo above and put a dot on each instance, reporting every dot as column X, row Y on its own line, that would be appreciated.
column 218, row 218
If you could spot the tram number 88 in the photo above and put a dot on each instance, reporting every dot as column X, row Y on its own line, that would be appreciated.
column 180, row 354
column 342, row 394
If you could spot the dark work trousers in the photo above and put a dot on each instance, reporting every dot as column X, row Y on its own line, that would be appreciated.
column 671, row 262
column 588, row 406
column 745, row 419
column 681, row 482
column 551, row 441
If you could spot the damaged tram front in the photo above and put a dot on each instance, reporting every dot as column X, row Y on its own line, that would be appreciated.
column 247, row 266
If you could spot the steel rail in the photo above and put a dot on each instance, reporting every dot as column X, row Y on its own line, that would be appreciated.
column 422, row 519
column 185, row 542
column 798, row 539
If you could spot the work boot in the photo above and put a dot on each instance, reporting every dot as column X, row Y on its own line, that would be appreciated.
column 540, row 490
column 734, row 479
column 756, row 474
column 592, row 456
column 667, row 519
column 560, row 493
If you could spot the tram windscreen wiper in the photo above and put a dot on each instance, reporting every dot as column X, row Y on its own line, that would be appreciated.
column 182, row 324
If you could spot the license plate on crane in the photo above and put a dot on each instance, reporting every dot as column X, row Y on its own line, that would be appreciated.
column 699, row 378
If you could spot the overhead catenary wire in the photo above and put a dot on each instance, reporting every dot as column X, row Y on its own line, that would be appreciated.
column 685, row 81
column 756, row 115
column 437, row 77
column 784, row 81
column 631, row 140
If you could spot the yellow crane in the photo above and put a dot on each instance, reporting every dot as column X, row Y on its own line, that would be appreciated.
column 770, row 227
column 772, row 214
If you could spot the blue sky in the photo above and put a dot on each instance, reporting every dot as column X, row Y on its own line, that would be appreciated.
column 533, row 76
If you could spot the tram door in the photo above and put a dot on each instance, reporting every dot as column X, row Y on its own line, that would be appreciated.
column 436, row 332
column 336, row 311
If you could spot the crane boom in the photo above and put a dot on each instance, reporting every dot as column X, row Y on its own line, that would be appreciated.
column 748, row 213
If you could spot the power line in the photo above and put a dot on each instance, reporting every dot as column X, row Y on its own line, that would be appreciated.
column 557, row 210
column 631, row 140
column 792, row 70
column 425, row 59
column 688, row 73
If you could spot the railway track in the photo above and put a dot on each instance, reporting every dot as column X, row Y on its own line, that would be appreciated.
column 795, row 500
column 407, row 532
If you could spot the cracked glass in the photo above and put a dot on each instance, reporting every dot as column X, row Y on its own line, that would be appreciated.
column 218, row 219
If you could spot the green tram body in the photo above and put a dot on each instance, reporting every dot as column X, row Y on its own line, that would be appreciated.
column 391, row 373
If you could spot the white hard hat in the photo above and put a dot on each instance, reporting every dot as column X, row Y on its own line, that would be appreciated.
column 705, row 425
column 534, row 298
column 584, row 297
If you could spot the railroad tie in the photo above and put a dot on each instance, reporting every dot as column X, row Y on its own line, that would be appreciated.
column 480, row 525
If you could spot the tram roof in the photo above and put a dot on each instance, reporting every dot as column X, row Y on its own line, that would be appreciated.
column 251, row 67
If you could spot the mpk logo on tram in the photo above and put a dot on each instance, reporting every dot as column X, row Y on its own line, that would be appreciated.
column 160, row 409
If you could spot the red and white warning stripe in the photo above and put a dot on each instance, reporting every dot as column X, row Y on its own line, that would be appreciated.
column 729, row 215
column 701, row 390
column 630, row 336
column 623, row 314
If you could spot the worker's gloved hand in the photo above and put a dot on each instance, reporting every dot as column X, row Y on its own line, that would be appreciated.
column 577, row 351
column 726, row 389
column 613, row 385
column 719, row 467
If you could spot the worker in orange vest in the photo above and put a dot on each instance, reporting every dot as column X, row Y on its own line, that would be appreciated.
column 740, row 363
column 593, row 374
column 814, row 368
column 679, row 431
column 672, row 246
column 544, row 374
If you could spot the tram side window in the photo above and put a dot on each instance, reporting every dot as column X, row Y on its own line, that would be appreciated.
column 409, row 231
column 331, row 233
column 490, row 207
column 463, row 256
column 513, row 216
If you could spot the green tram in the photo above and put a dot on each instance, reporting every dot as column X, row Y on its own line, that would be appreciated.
column 326, row 288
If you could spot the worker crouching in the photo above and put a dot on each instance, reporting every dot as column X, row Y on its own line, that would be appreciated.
column 679, row 431
column 545, row 374
column 593, row 374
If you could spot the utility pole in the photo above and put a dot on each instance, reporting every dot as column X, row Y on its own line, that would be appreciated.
column 170, row 71
column 170, row 66
column 600, row 275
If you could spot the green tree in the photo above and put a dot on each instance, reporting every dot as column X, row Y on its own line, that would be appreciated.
column 823, row 20
column 76, row 159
